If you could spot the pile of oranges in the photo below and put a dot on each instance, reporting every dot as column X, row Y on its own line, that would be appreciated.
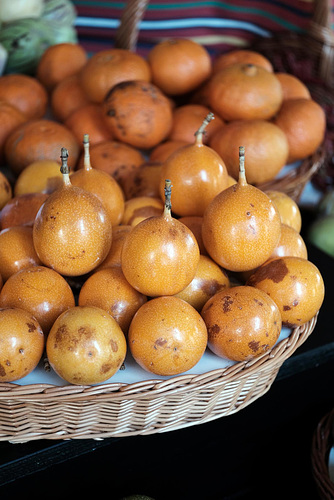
column 145, row 156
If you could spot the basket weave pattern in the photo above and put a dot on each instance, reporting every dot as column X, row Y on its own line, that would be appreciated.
column 108, row 410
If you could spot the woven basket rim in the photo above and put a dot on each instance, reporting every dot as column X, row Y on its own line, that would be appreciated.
column 151, row 388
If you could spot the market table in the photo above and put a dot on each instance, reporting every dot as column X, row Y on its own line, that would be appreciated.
column 262, row 450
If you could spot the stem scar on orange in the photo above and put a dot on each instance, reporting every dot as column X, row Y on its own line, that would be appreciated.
column 160, row 255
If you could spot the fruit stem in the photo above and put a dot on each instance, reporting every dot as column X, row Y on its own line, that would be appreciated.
column 199, row 133
column 87, row 164
column 65, row 170
column 242, row 174
column 168, row 194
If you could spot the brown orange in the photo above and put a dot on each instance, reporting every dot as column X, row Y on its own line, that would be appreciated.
column 187, row 119
column 89, row 119
column 304, row 123
column 10, row 118
column 163, row 150
column 40, row 140
column 241, row 56
column 179, row 65
column 66, row 97
column 244, row 92
column 108, row 67
column 59, row 61
column 114, row 157
column 25, row 93
column 138, row 113
column 266, row 145
column 143, row 181
column 292, row 86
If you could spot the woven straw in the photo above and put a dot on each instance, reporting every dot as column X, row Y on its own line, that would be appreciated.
column 44, row 411
column 323, row 440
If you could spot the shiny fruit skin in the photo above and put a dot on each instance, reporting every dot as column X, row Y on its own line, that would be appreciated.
column 85, row 346
column 240, row 228
column 291, row 243
column 244, row 91
column 167, row 336
column 114, row 256
column 198, row 174
column 160, row 256
column 17, row 250
column 22, row 209
column 139, row 208
column 72, row 231
column 41, row 176
column 105, row 187
column 296, row 286
column 287, row 207
column 242, row 325
column 208, row 280
column 194, row 223
column 21, row 344
column 109, row 290
column 40, row 291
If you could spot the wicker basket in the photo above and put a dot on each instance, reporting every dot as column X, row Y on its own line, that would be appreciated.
column 322, row 442
column 42, row 411
column 45, row 411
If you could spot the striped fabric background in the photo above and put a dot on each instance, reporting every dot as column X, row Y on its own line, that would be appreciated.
column 219, row 25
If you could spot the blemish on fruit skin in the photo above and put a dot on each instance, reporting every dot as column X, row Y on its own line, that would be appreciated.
column 31, row 327
column 286, row 308
column 213, row 330
column 275, row 270
column 106, row 367
column 160, row 342
column 62, row 331
column 2, row 371
column 210, row 287
column 254, row 345
column 114, row 345
column 227, row 301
